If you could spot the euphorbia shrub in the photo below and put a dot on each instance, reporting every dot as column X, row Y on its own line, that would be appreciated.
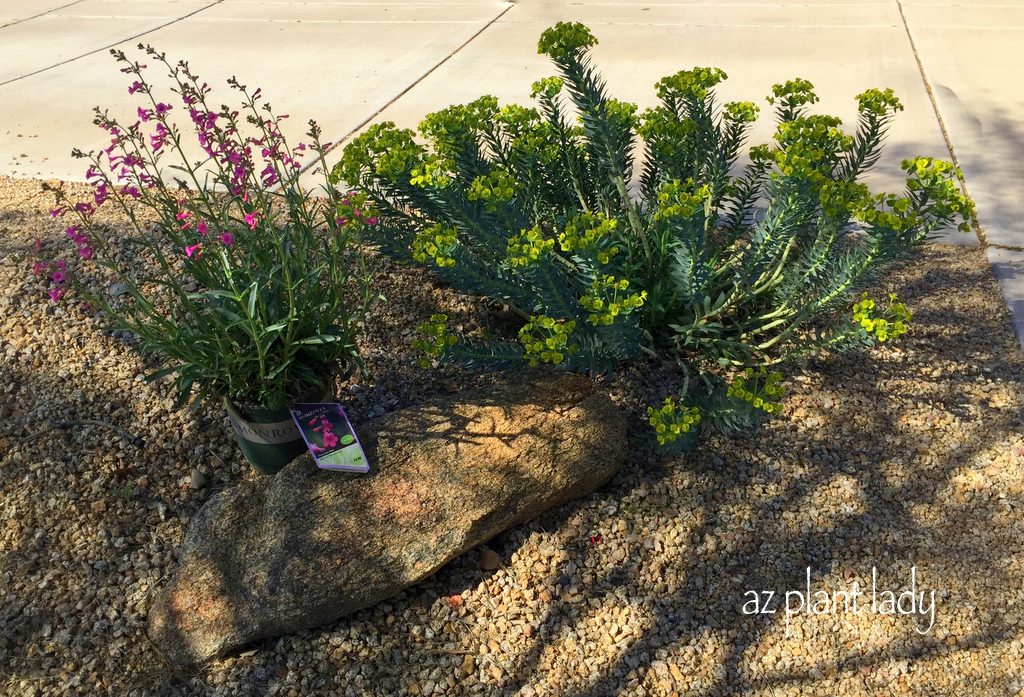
column 719, row 268
column 242, row 284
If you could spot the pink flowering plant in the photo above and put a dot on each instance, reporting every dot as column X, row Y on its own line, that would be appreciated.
column 244, row 285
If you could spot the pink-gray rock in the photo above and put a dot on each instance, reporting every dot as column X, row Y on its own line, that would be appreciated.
column 305, row 547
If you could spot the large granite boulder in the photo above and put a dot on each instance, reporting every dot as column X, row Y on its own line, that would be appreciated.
column 305, row 547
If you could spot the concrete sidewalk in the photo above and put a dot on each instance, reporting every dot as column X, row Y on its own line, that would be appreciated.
column 955, row 65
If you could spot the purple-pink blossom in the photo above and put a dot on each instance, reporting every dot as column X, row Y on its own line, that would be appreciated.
column 250, row 220
column 195, row 249
column 201, row 227
column 227, row 238
column 57, row 276
column 56, row 294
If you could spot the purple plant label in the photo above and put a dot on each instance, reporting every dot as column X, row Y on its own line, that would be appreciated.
column 329, row 436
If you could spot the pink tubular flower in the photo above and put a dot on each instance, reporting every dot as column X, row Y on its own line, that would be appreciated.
column 37, row 246
column 195, row 249
column 201, row 227
column 227, row 238
column 144, row 114
column 57, row 212
column 162, row 108
column 56, row 294
column 250, row 220
column 85, row 251
column 101, row 195
column 39, row 268
column 57, row 277
column 134, row 87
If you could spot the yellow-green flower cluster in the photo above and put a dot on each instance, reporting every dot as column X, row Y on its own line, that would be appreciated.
column 546, row 340
column 741, row 112
column 672, row 420
column 889, row 211
column 666, row 135
column 604, row 304
column 586, row 231
column 883, row 324
column 810, row 146
column 433, row 338
column 694, row 83
column 793, row 93
column 565, row 40
column 432, row 172
column 492, row 188
column 527, row 247
column 841, row 198
column 937, row 180
column 878, row 102
column 454, row 128
column 622, row 115
column 547, row 87
column 678, row 199
column 762, row 154
column 761, row 389
column 529, row 137
column 436, row 242
column 384, row 150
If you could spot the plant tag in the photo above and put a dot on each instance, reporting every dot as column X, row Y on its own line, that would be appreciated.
column 329, row 436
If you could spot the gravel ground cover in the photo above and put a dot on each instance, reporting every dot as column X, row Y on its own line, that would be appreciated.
column 910, row 457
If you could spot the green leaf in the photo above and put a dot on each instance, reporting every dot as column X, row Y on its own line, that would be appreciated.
column 162, row 373
column 320, row 339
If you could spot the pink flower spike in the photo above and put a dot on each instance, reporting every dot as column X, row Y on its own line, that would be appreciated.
column 250, row 220
column 227, row 238
column 195, row 249
column 56, row 294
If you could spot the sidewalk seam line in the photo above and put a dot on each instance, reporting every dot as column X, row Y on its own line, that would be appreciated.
column 26, row 19
column 976, row 223
column 421, row 78
column 116, row 43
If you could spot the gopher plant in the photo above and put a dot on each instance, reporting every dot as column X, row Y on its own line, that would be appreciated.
column 724, row 269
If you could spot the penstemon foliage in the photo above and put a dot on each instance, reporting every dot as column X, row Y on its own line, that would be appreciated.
column 245, row 287
column 687, row 256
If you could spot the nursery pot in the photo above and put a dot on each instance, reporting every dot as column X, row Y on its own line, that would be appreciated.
column 268, row 438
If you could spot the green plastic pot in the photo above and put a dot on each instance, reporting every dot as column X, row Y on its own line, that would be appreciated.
column 268, row 438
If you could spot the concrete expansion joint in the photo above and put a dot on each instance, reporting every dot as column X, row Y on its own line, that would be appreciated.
column 109, row 46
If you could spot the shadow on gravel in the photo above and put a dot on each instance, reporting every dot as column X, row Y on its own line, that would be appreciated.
column 886, row 532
